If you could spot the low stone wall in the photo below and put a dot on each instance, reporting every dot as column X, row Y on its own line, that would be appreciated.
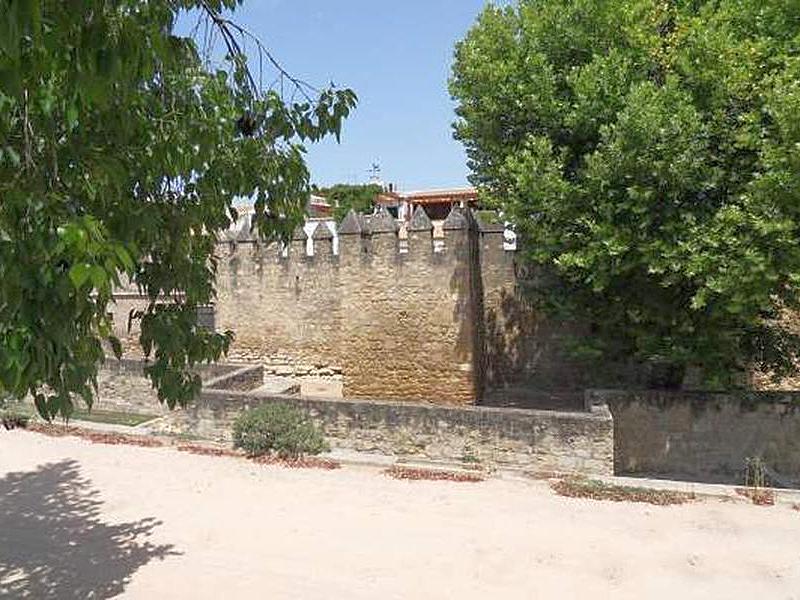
column 122, row 386
column 704, row 436
column 135, row 367
column 242, row 379
column 124, row 366
column 537, row 441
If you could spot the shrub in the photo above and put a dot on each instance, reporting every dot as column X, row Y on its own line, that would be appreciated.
column 12, row 419
column 278, row 428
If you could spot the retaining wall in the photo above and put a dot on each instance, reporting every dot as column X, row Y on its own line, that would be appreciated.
column 704, row 436
column 537, row 441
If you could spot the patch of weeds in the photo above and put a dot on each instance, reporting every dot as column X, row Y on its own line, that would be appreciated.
column 470, row 458
column 579, row 487
column 759, row 497
column 299, row 462
column 397, row 472
column 201, row 450
column 756, row 483
column 183, row 436
column 12, row 419
column 97, row 437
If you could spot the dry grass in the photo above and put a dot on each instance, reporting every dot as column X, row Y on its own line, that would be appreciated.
column 764, row 380
column 758, row 496
column 112, row 417
column 576, row 487
column 299, row 462
column 209, row 450
column 396, row 472
column 96, row 437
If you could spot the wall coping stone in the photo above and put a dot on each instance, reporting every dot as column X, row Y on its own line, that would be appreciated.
column 383, row 222
column 420, row 221
column 475, row 413
column 598, row 397
column 455, row 220
column 299, row 234
column 252, row 374
column 351, row 224
column 322, row 232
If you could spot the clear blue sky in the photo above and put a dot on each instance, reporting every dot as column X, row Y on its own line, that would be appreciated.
column 397, row 57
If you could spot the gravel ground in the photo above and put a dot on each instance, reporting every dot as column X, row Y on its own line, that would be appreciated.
column 82, row 520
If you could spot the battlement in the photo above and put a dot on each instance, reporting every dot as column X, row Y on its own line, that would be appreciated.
column 365, row 238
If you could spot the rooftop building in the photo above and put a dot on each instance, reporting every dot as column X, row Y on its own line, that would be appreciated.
column 437, row 203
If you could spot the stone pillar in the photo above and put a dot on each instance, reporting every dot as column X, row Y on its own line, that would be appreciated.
column 383, row 228
column 495, row 279
column 456, row 233
column 420, row 234
column 460, row 252
column 297, row 247
column 322, row 238
column 493, row 256
column 351, row 238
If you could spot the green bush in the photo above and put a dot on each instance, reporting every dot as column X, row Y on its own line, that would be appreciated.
column 278, row 428
column 11, row 419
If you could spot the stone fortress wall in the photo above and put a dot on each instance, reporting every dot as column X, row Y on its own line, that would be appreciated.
column 395, row 322
column 401, row 315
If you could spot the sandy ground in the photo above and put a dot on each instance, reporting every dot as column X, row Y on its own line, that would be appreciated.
column 79, row 520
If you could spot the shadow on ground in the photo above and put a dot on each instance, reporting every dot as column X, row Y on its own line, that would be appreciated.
column 53, row 543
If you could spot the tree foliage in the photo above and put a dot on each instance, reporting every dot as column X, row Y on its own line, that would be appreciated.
column 345, row 196
column 649, row 152
column 122, row 150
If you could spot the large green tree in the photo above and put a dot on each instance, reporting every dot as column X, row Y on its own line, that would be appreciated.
column 122, row 151
column 649, row 153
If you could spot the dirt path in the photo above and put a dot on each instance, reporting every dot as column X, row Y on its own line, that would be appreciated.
column 79, row 520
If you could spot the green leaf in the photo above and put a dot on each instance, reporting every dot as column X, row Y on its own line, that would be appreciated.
column 71, row 115
column 99, row 277
column 79, row 274
column 124, row 258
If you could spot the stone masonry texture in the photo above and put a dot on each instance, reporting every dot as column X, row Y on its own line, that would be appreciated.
column 397, row 326
column 705, row 436
column 438, row 322
column 529, row 440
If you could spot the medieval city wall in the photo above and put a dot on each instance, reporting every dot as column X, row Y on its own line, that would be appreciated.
column 396, row 324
